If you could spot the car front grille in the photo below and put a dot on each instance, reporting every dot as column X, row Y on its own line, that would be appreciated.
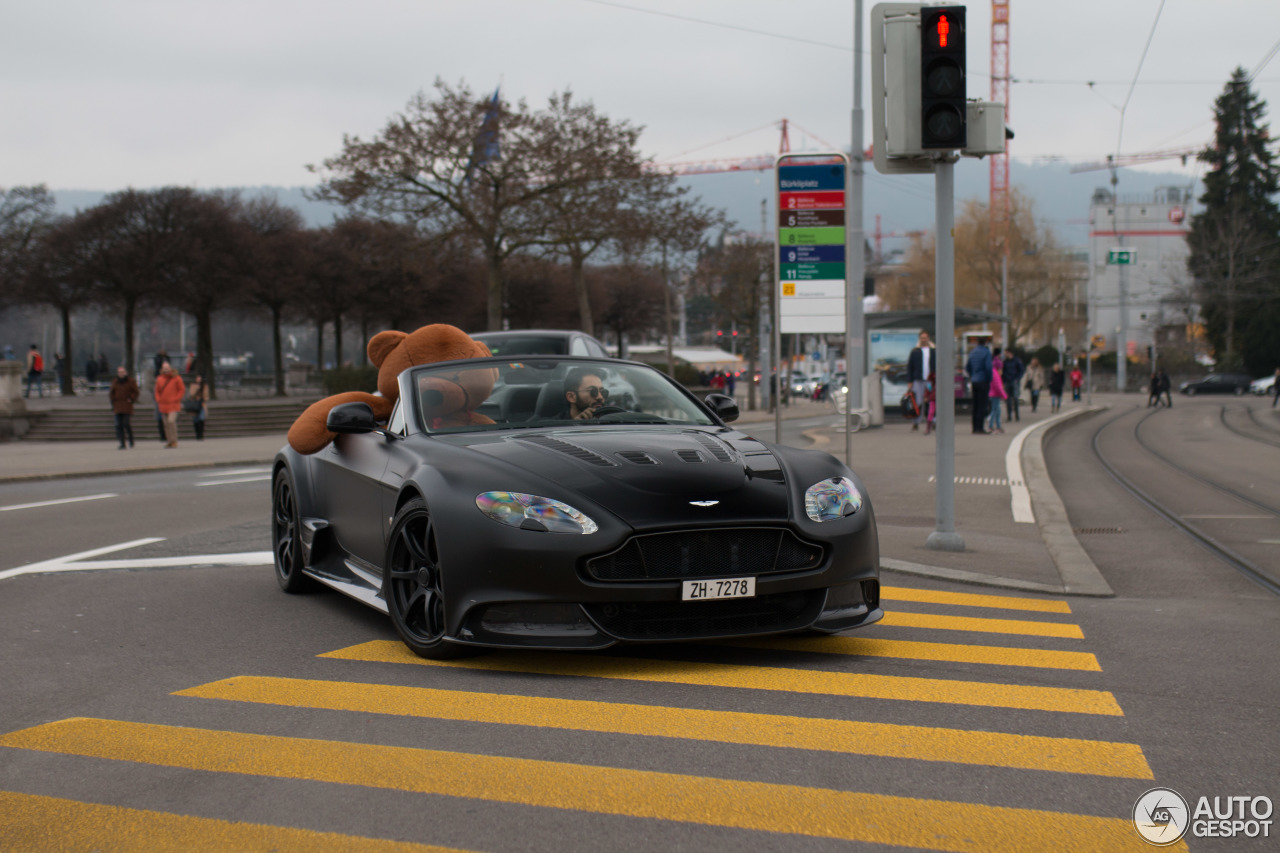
column 721, row 552
column 689, row 620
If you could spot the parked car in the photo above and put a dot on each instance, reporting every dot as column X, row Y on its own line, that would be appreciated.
column 541, row 342
column 1264, row 387
column 639, row 523
column 1217, row 383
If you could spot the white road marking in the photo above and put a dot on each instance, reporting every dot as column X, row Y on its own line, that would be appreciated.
column 256, row 479
column 59, row 501
column 80, row 562
column 236, row 472
column 1020, row 496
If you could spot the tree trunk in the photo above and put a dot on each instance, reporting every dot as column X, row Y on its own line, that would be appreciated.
column 320, row 345
column 204, row 351
column 277, row 348
column 364, row 339
column 337, row 341
column 578, row 274
column 130, row 305
column 68, row 363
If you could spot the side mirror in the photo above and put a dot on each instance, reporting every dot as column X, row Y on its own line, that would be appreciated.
column 351, row 419
column 724, row 407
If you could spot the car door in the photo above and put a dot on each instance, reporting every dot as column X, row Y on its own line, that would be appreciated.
column 350, row 483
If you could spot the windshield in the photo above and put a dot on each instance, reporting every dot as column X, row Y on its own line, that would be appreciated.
column 490, row 394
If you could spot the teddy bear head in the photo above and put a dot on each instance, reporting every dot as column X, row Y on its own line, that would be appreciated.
column 393, row 352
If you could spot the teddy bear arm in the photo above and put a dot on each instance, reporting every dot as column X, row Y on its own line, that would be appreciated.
column 309, row 435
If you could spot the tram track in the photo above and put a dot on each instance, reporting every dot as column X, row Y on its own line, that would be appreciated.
column 1253, row 418
column 1241, row 564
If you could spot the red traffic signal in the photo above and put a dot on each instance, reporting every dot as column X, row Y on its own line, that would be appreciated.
column 942, row 78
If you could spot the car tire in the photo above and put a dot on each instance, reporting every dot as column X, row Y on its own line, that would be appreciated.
column 1190, row 392
column 412, row 584
column 286, row 545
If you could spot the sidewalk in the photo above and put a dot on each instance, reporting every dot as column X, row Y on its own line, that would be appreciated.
column 1039, row 554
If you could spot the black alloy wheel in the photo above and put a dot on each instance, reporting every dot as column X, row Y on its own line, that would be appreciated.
column 413, row 584
column 285, row 544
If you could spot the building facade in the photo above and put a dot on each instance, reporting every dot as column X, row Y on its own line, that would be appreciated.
column 1138, row 258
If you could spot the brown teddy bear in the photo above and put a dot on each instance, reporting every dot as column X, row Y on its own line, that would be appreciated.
column 392, row 352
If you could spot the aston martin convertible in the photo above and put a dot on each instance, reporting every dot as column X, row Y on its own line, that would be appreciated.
column 584, row 502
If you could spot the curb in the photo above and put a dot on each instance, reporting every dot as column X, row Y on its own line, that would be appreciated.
column 1078, row 573
column 141, row 469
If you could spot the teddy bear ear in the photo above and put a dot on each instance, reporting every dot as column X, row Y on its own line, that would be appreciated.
column 383, row 343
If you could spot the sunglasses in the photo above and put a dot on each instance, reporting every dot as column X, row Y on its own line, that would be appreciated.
column 595, row 391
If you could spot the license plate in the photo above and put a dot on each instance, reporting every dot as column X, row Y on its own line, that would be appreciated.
column 719, row 588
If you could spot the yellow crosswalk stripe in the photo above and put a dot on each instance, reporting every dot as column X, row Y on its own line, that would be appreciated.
column 983, row 693
column 30, row 822
column 952, row 652
column 968, row 599
column 1065, row 755
column 761, row 806
column 898, row 619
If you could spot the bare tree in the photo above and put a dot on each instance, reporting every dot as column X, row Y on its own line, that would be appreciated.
column 734, row 275
column 274, row 267
column 477, row 168
column 53, row 275
column 24, row 211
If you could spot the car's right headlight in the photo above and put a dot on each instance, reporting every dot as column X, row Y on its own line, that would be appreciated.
column 531, row 512
column 830, row 499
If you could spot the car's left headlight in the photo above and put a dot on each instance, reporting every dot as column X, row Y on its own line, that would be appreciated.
column 531, row 512
column 831, row 499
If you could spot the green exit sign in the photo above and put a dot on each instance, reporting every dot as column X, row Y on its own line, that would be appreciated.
column 1122, row 257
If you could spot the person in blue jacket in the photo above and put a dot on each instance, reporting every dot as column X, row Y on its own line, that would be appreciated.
column 978, row 367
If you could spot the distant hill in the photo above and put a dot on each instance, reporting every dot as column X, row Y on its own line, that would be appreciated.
column 903, row 202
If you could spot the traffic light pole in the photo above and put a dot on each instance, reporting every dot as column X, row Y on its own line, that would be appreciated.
column 944, row 536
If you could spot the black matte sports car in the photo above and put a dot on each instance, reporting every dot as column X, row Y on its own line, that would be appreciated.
column 577, row 519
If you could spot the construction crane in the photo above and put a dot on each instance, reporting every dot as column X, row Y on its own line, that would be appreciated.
column 758, row 163
column 999, row 203
column 1116, row 161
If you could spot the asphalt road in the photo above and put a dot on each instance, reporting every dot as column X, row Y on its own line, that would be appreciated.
column 161, row 703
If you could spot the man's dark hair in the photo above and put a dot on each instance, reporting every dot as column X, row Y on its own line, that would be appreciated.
column 573, row 379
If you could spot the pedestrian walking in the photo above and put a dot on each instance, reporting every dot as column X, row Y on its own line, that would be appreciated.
column 1012, row 374
column 1077, row 382
column 196, row 404
column 123, row 394
column 730, row 382
column 1166, row 388
column 1057, row 379
column 920, row 365
column 998, row 394
column 978, row 367
column 1035, row 382
column 91, row 372
column 1275, row 389
column 1153, row 390
column 35, row 370
column 169, row 392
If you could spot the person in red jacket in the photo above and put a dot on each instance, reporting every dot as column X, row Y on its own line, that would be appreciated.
column 170, row 390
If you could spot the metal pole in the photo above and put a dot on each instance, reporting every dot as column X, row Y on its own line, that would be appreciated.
column 856, row 266
column 944, row 536
column 1122, row 344
column 1004, row 299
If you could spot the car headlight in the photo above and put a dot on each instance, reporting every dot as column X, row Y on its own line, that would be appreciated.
column 531, row 512
column 832, row 499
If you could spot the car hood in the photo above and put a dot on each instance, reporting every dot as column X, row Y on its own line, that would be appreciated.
column 651, row 475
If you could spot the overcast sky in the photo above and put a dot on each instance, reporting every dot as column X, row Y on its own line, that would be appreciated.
column 144, row 93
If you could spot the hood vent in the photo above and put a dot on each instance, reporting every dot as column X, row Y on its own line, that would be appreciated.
column 569, row 449
column 637, row 457
column 715, row 447
column 690, row 456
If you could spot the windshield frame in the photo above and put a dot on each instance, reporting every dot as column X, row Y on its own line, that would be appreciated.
column 414, row 413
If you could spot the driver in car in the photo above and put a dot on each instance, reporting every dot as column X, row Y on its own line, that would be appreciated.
column 585, row 393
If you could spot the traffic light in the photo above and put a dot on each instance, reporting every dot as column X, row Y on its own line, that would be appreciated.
column 943, row 112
